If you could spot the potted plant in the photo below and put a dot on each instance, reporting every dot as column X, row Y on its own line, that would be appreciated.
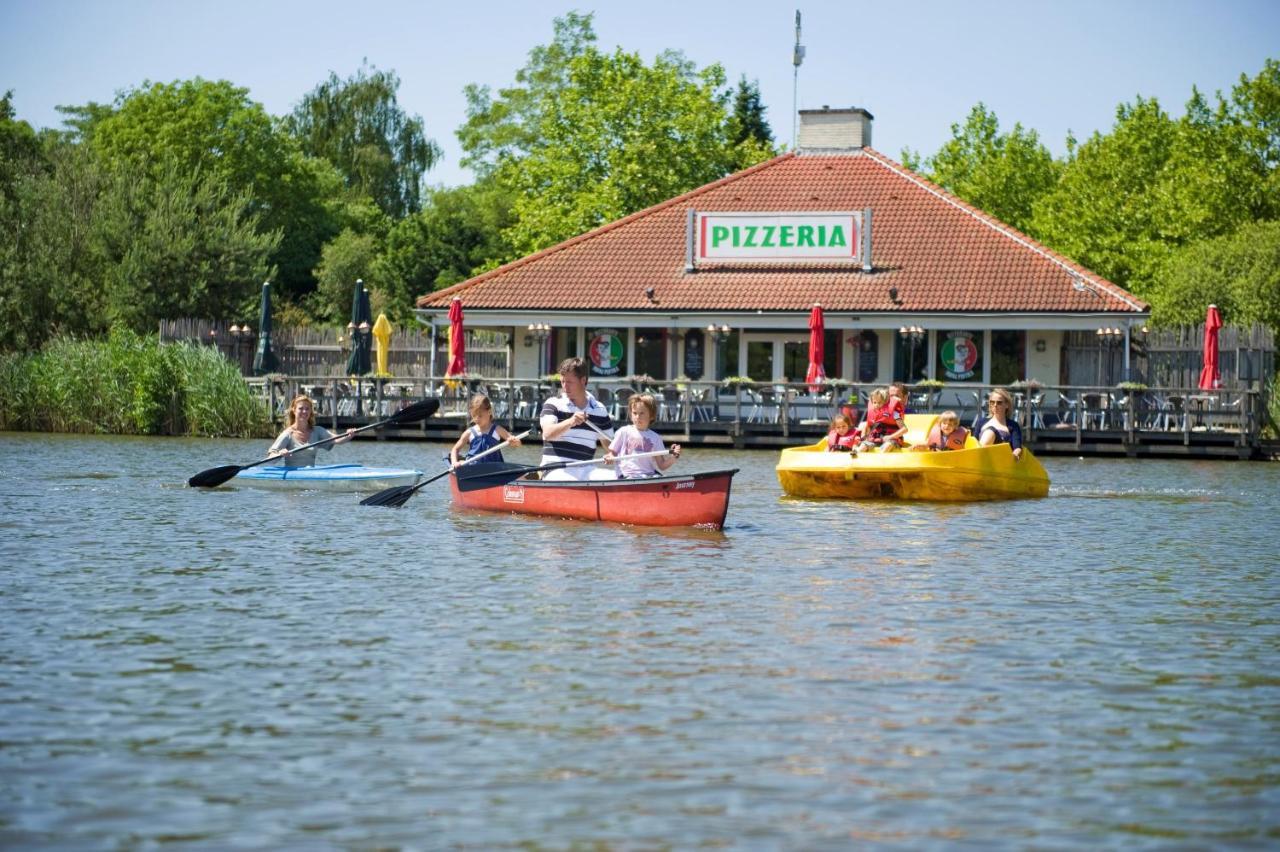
column 641, row 382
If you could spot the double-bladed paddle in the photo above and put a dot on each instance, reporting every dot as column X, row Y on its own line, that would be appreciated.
column 214, row 476
column 400, row 494
column 491, row 475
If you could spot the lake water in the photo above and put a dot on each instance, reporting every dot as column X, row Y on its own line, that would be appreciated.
column 251, row 669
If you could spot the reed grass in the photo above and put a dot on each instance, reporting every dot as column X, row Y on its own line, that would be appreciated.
column 127, row 384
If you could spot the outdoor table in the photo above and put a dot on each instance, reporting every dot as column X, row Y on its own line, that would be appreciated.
column 1200, row 402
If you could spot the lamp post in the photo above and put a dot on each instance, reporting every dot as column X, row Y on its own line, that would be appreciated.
column 239, row 333
column 1108, row 338
column 718, row 334
column 914, row 335
column 539, row 332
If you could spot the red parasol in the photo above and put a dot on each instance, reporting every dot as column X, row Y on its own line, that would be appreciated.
column 457, row 341
column 817, row 329
column 1210, row 379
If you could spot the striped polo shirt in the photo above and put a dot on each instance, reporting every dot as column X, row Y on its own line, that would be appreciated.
column 579, row 443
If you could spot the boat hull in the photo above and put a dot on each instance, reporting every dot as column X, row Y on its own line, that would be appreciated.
column 326, row 477
column 978, row 473
column 693, row 500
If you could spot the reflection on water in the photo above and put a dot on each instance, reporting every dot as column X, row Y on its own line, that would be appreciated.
column 239, row 667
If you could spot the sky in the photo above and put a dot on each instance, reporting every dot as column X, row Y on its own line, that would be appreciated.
column 1054, row 67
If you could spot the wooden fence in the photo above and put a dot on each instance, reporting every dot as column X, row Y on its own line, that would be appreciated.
column 307, row 352
column 1169, row 357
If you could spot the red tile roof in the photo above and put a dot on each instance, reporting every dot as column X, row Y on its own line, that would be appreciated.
column 941, row 254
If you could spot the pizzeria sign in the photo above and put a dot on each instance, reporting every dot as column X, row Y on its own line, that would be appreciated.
column 777, row 236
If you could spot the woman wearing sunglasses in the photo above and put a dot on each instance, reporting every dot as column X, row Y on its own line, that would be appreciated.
column 999, row 428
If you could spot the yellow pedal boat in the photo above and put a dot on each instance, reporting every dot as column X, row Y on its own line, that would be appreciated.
column 974, row 473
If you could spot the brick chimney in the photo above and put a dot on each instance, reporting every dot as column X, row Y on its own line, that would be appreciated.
column 830, row 129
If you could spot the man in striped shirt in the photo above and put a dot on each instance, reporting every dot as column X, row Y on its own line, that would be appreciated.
column 567, row 423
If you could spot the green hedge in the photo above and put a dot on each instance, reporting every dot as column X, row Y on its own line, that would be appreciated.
column 127, row 385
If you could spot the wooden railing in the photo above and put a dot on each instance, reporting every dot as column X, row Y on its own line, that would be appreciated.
column 1076, row 411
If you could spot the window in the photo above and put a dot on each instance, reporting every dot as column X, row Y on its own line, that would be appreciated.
column 959, row 357
column 651, row 352
column 760, row 360
column 795, row 357
column 727, row 357
column 910, row 357
column 1008, row 357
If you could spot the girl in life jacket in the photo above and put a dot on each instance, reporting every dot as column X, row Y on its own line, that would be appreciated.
column 947, row 433
column 841, row 438
column 482, row 435
column 885, row 427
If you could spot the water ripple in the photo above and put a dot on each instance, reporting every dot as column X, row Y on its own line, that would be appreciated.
column 239, row 668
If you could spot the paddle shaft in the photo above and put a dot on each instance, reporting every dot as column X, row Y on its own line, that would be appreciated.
column 502, row 477
column 402, row 493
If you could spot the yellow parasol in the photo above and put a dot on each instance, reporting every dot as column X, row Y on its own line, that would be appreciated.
column 382, row 337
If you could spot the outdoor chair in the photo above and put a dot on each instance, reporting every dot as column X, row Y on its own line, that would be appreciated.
column 1093, row 410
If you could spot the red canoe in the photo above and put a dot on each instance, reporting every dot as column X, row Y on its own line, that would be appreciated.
column 696, row 499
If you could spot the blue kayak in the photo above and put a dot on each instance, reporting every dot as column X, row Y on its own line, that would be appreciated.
column 327, row 477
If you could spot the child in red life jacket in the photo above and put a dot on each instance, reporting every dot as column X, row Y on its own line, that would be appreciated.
column 841, row 438
column 884, row 427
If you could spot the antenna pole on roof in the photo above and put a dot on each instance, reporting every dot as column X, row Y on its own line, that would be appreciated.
column 797, row 57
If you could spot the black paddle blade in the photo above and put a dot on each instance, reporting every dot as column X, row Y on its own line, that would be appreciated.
column 214, row 476
column 473, row 477
column 394, row 497
column 420, row 410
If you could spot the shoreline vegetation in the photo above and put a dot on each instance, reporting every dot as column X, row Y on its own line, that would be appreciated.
column 127, row 384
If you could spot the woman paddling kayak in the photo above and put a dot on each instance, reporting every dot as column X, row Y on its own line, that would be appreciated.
column 300, row 430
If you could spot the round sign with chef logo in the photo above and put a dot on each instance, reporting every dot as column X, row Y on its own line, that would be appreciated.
column 605, row 351
column 959, row 354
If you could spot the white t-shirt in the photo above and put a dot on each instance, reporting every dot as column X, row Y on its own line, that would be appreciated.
column 629, row 441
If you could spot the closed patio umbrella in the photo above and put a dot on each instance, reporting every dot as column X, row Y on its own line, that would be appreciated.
column 359, row 361
column 817, row 349
column 264, row 360
column 457, row 341
column 1210, row 379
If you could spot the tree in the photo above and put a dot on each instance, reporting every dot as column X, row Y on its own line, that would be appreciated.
column 457, row 234
column 507, row 128
column 999, row 173
column 748, row 121
column 179, row 243
column 1153, row 185
column 346, row 258
column 51, row 261
column 215, row 129
column 357, row 125
column 620, row 136
column 1239, row 272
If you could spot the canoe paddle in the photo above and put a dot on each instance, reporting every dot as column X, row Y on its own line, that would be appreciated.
column 400, row 494
column 491, row 475
column 215, row 476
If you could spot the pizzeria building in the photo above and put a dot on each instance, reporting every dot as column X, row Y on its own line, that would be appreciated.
column 914, row 283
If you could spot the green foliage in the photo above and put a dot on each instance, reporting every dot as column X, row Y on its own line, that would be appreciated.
column 508, row 127
column 215, row 130
column 127, row 384
column 179, row 245
column 999, row 173
column 346, row 258
column 619, row 137
column 52, row 266
column 1128, row 200
column 457, row 233
column 748, row 122
column 357, row 125
column 1240, row 273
